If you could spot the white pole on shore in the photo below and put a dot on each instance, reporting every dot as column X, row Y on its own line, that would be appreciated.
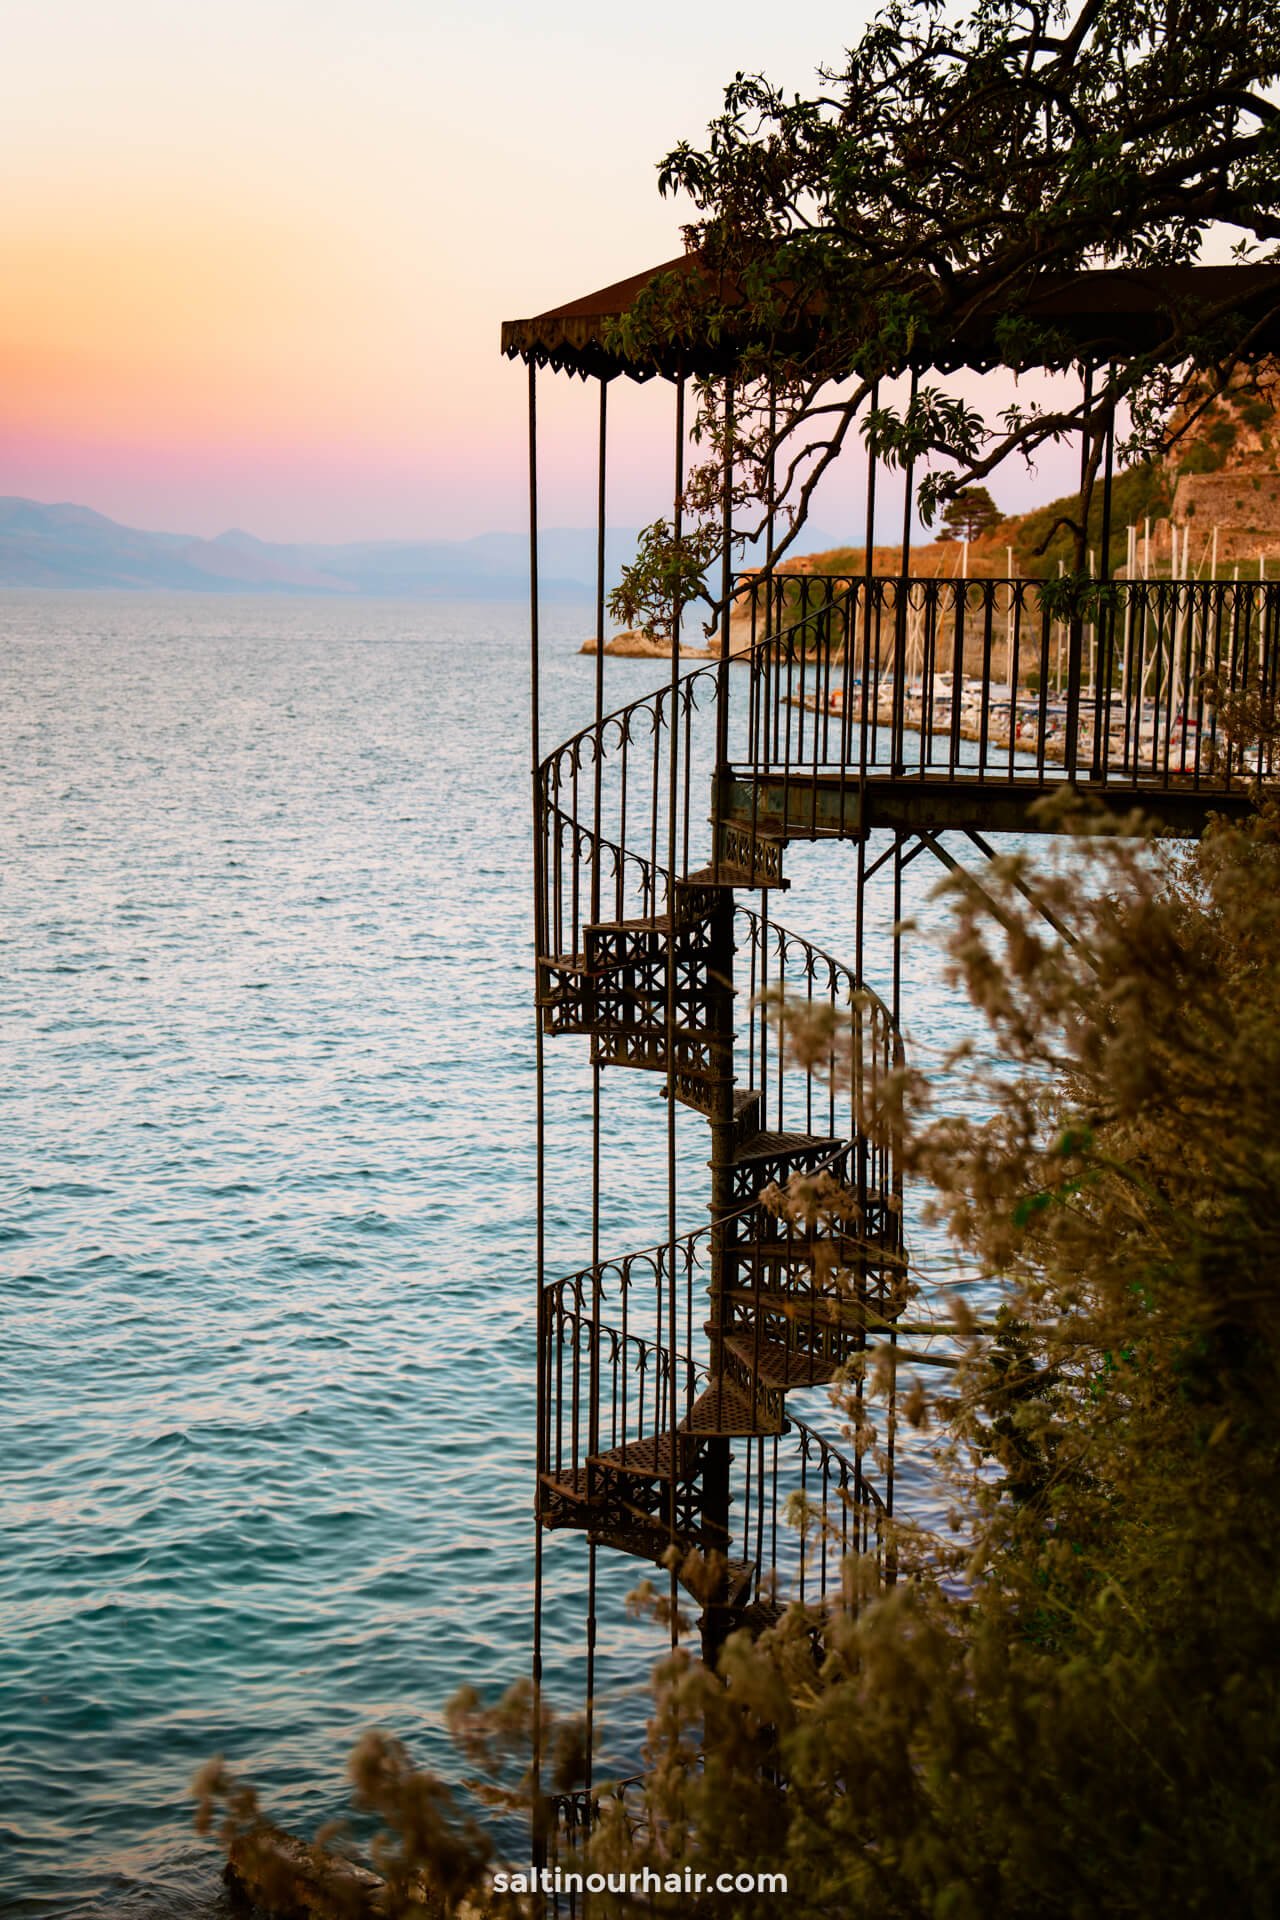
column 1127, row 666
column 1213, row 567
column 1131, row 573
column 1146, row 603
column 1235, row 618
column 1177, row 662
column 1262, row 574
column 1262, row 625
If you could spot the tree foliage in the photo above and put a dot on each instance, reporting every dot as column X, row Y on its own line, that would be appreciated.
column 969, row 514
column 945, row 169
column 1043, row 541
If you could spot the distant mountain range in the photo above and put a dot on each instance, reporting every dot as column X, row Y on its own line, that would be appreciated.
column 71, row 546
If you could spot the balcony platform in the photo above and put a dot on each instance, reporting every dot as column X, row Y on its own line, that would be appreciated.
column 800, row 805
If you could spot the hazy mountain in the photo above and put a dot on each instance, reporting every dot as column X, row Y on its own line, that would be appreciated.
column 71, row 546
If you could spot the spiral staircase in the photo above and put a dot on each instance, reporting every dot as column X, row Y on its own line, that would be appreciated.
column 680, row 1402
column 682, row 1423
column 668, row 1377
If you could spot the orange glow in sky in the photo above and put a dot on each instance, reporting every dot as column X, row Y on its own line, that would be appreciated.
column 256, row 258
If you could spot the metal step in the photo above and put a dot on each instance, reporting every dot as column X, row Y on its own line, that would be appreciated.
column 761, row 1614
column 648, row 1539
column 625, row 1527
column 695, row 899
column 781, row 1367
column 754, row 858
column 565, row 994
column 648, row 1458
column 729, row 1409
column 782, row 1271
column 737, row 1577
column 645, row 1051
column 735, row 876
column 837, row 1310
column 740, row 1578
column 695, row 1091
column 764, row 1146
column 630, row 965
column 700, row 894
column 692, row 1090
column 564, row 1498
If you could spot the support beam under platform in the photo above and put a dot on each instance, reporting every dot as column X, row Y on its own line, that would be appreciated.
column 796, row 805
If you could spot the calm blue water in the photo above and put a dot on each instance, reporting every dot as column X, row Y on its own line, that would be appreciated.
column 266, row 1241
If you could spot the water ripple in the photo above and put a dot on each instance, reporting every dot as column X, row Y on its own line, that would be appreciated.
column 267, row 1241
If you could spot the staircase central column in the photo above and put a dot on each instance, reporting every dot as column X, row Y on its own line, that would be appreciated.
column 715, row 1472
column 719, row 1017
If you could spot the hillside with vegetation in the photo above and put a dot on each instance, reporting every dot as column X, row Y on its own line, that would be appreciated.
column 1222, row 471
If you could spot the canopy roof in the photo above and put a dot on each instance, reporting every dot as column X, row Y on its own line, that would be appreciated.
column 1097, row 315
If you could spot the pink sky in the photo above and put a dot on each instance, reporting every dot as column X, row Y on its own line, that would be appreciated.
column 256, row 259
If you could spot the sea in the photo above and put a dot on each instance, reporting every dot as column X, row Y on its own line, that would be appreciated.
column 267, row 1233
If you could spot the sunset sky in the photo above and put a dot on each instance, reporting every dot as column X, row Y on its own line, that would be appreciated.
column 257, row 257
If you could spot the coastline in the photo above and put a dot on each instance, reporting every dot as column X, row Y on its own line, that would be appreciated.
column 632, row 644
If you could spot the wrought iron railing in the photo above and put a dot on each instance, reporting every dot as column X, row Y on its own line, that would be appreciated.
column 607, row 1392
column 604, row 799
column 838, row 1080
column 621, row 1346
column 800, row 1505
column 603, row 1332
column 1141, row 687
column 1140, row 683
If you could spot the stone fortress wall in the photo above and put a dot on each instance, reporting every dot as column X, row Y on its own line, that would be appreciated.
column 1226, row 476
column 1240, row 501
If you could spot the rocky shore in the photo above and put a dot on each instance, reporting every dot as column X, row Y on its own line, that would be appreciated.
column 635, row 645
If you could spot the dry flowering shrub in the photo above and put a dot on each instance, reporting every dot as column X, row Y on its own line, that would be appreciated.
column 429, row 1857
column 1082, row 1720
column 1085, row 1722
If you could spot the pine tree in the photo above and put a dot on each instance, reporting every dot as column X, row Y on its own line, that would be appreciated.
column 971, row 513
